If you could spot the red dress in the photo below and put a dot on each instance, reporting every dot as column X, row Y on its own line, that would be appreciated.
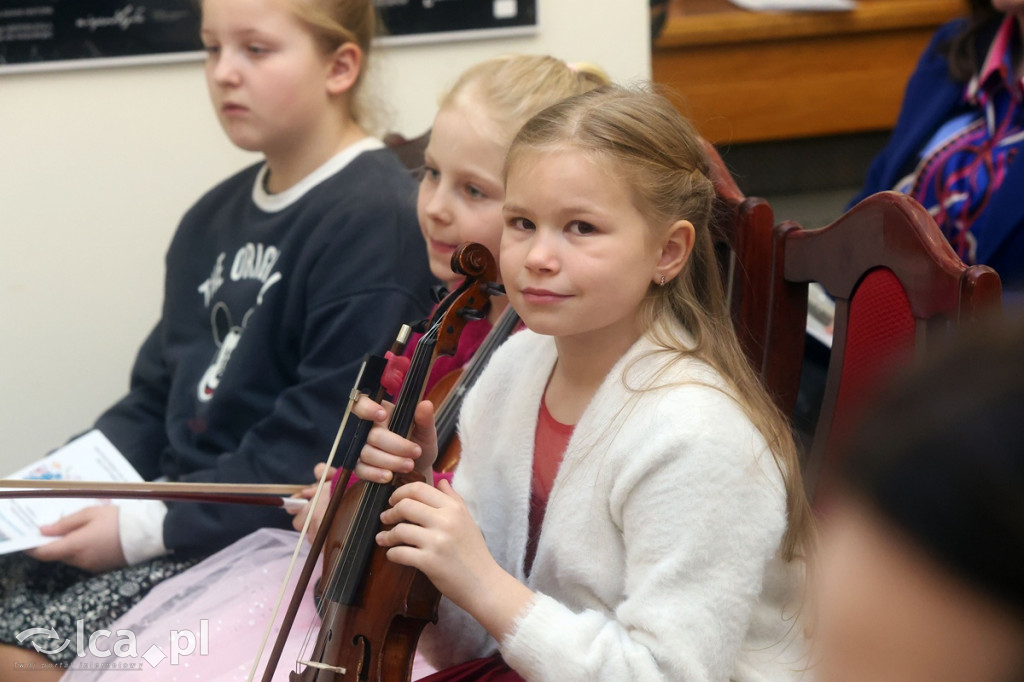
column 550, row 442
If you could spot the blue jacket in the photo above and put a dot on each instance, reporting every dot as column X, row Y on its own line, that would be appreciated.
column 931, row 99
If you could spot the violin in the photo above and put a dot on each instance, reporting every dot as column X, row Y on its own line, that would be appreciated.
column 452, row 388
column 373, row 610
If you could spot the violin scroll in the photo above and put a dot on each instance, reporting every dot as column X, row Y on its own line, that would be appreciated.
column 472, row 297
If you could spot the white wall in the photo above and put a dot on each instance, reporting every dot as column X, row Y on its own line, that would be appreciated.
column 97, row 166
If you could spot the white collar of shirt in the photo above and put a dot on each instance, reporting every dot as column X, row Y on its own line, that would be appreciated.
column 272, row 203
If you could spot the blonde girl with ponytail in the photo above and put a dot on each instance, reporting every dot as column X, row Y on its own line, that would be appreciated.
column 629, row 505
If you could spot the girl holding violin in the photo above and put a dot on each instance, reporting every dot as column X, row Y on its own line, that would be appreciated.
column 629, row 504
column 460, row 197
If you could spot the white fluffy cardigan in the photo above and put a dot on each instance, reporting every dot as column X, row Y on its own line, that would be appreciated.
column 659, row 552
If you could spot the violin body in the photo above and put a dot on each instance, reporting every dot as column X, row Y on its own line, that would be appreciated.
column 449, row 458
column 372, row 609
column 366, row 645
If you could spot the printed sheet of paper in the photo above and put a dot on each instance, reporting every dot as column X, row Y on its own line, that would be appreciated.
column 821, row 314
column 796, row 5
column 90, row 457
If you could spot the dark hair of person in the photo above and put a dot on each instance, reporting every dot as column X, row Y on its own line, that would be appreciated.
column 941, row 458
column 966, row 49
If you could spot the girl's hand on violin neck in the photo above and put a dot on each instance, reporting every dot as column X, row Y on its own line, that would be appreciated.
column 435, row 533
column 387, row 453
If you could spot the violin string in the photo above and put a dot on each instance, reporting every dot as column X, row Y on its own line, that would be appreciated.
column 327, row 579
column 405, row 421
column 401, row 419
column 366, row 518
column 343, row 563
column 448, row 413
column 332, row 607
column 302, row 535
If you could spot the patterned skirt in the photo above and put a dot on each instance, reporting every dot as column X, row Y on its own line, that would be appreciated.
column 69, row 603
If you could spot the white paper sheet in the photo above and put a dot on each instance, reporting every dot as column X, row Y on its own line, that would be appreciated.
column 91, row 457
column 821, row 313
column 796, row 5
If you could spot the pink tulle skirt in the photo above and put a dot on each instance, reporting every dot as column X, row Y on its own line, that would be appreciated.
column 234, row 592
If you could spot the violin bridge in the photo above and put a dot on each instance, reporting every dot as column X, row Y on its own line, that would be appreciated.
column 323, row 666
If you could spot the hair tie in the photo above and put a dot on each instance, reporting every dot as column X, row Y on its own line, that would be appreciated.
column 590, row 72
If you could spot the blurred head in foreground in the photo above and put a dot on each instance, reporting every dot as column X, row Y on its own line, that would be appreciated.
column 922, row 564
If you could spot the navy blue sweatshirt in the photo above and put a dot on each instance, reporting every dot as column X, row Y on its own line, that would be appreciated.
column 270, row 304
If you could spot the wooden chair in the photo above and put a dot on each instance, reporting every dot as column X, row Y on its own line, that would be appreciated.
column 408, row 151
column 899, row 290
column 743, row 237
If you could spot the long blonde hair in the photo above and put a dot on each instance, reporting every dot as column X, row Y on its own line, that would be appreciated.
column 513, row 87
column 661, row 157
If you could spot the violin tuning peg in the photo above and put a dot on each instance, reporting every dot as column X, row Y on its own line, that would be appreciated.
column 471, row 313
column 494, row 289
column 438, row 292
column 421, row 327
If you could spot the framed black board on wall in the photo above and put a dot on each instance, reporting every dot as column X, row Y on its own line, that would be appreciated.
column 62, row 34
column 40, row 34
column 406, row 21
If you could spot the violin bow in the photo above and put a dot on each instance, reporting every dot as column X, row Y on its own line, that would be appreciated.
column 367, row 383
column 271, row 495
column 229, row 493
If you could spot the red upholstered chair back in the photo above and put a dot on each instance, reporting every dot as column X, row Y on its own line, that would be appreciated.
column 880, row 333
column 899, row 290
